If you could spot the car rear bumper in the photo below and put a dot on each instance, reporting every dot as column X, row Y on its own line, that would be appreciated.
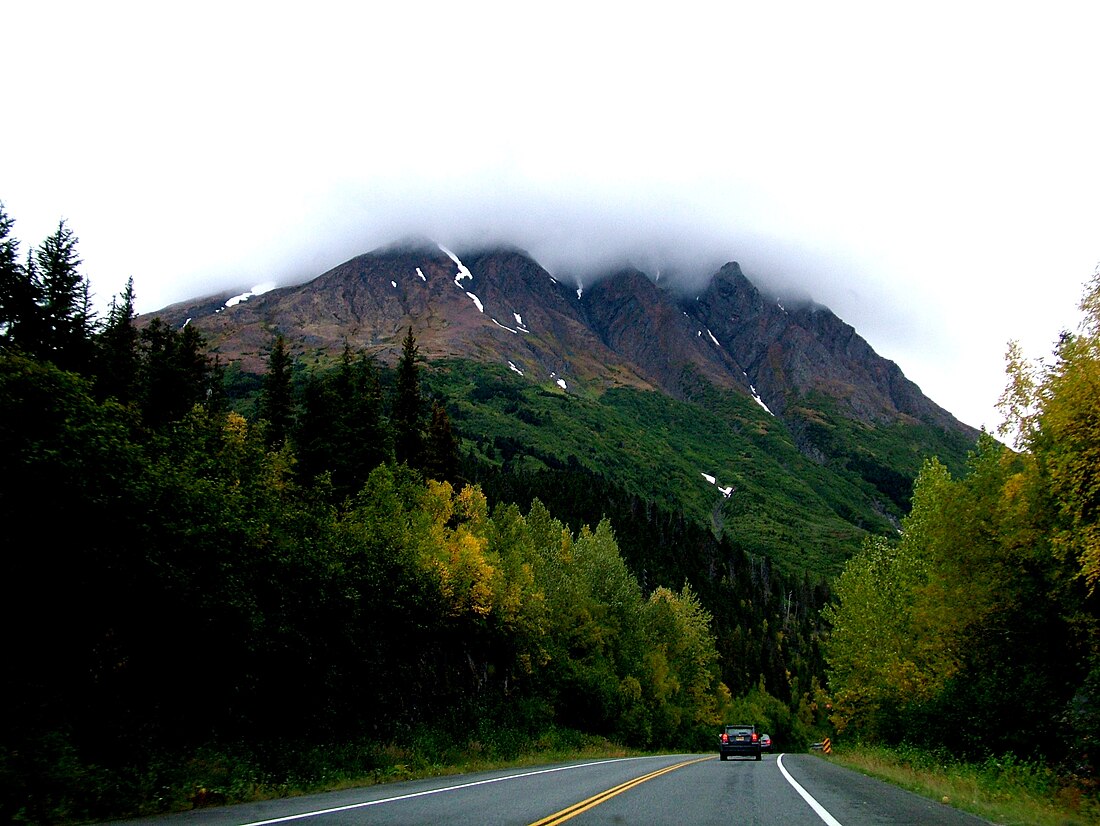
column 733, row 750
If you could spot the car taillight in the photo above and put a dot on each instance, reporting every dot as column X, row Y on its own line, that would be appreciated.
column 755, row 736
column 725, row 737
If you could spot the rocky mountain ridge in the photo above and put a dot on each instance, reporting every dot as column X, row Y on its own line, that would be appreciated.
column 500, row 306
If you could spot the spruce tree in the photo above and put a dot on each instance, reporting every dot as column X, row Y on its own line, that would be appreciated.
column 19, row 293
column 118, row 355
column 441, row 448
column 276, row 405
column 176, row 374
column 313, row 436
column 367, row 429
column 408, row 405
column 341, row 430
column 66, row 303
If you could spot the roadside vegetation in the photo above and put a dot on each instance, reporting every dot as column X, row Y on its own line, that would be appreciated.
column 976, row 632
column 1006, row 790
column 224, row 774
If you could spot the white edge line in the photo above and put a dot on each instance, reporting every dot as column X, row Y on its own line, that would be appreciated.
column 820, row 810
column 364, row 804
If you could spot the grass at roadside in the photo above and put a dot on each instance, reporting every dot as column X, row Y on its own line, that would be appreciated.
column 396, row 763
column 1003, row 790
column 220, row 775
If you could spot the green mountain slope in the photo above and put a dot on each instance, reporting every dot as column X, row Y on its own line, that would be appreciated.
column 804, row 499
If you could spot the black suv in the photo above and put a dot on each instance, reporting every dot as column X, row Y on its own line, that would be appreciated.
column 739, row 740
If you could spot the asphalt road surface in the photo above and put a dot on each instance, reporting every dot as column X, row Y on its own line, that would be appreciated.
column 789, row 789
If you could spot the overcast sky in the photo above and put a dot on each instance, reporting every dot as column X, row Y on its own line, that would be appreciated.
column 930, row 171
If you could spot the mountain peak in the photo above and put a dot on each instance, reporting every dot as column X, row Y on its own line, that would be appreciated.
column 410, row 244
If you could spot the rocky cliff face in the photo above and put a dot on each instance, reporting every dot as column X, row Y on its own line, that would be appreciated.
column 787, row 352
column 500, row 306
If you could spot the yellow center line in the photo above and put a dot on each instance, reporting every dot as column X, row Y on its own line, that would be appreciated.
column 584, row 805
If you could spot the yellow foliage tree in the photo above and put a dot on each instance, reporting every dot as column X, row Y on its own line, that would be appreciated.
column 1056, row 412
column 458, row 554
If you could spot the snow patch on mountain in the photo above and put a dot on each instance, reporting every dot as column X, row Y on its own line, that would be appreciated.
column 463, row 272
column 758, row 400
column 725, row 491
column 259, row 289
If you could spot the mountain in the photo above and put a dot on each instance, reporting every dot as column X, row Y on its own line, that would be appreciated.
column 500, row 306
column 800, row 410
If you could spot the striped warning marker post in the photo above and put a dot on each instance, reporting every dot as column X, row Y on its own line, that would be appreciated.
column 827, row 746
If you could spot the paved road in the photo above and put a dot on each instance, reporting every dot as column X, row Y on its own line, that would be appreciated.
column 792, row 790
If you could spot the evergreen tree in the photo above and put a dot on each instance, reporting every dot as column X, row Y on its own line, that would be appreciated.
column 217, row 399
column 341, row 430
column 314, row 438
column 118, row 355
column 176, row 374
column 66, row 303
column 368, row 435
column 276, row 404
column 408, row 404
column 19, row 293
column 441, row 447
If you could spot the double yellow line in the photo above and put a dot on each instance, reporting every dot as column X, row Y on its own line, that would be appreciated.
column 596, row 800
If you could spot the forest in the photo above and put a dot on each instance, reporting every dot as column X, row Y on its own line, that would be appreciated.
column 260, row 593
